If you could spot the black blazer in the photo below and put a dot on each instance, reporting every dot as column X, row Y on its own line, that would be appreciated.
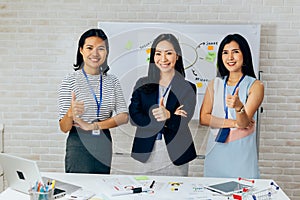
column 176, row 132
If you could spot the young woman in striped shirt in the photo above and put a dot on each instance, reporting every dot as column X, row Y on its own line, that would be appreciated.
column 90, row 102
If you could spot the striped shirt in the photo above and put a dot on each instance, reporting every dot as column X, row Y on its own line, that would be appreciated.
column 113, row 101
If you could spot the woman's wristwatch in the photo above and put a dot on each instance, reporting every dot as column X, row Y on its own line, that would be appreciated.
column 242, row 110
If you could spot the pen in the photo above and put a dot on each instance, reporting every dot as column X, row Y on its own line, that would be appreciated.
column 39, row 187
column 36, row 186
column 47, row 188
column 132, row 191
column 53, row 184
column 152, row 184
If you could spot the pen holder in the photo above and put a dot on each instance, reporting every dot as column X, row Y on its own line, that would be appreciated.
column 34, row 195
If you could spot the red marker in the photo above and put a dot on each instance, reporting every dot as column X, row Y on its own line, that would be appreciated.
column 249, row 180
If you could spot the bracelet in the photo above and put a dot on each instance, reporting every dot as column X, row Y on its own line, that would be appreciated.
column 242, row 110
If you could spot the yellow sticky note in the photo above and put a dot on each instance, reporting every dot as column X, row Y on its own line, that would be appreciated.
column 199, row 84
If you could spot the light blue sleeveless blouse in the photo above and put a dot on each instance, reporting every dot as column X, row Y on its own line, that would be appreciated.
column 237, row 158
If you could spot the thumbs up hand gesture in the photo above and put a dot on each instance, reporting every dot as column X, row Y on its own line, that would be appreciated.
column 161, row 113
column 77, row 107
column 77, row 111
column 233, row 101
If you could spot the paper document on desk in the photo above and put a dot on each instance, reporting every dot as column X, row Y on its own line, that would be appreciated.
column 119, row 185
column 185, row 191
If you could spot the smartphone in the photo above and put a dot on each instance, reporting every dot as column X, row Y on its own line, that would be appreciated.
column 58, row 193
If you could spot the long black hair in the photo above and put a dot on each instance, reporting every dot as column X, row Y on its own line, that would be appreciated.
column 247, row 68
column 90, row 33
column 153, row 70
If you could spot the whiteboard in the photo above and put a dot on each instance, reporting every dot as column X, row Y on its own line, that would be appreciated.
column 130, row 44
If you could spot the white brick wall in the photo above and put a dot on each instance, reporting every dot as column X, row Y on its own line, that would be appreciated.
column 38, row 45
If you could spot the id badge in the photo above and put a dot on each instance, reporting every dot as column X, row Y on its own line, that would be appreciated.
column 96, row 132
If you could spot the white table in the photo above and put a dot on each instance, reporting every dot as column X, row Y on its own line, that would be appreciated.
column 95, row 183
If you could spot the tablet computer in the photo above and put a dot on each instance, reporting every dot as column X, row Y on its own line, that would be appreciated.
column 227, row 188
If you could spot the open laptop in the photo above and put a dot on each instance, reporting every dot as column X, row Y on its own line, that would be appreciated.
column 22, row 174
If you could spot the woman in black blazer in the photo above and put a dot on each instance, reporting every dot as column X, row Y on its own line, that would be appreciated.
column 162, row 104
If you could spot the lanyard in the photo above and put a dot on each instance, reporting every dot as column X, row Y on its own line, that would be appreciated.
column 165, row 93
column 159, row 135
column 224, row 97
column 93, row 93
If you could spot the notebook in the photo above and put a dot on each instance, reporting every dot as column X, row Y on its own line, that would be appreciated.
column 21, row 174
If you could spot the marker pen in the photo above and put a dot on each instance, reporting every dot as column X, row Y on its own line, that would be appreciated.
column 132, row 191
column 152, row 184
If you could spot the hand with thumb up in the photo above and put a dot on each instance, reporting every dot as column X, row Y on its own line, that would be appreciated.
column 161, row 113
column 233, row 101
column 77, row 107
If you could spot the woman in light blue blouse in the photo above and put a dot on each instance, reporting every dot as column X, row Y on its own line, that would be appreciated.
column 229, row 109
